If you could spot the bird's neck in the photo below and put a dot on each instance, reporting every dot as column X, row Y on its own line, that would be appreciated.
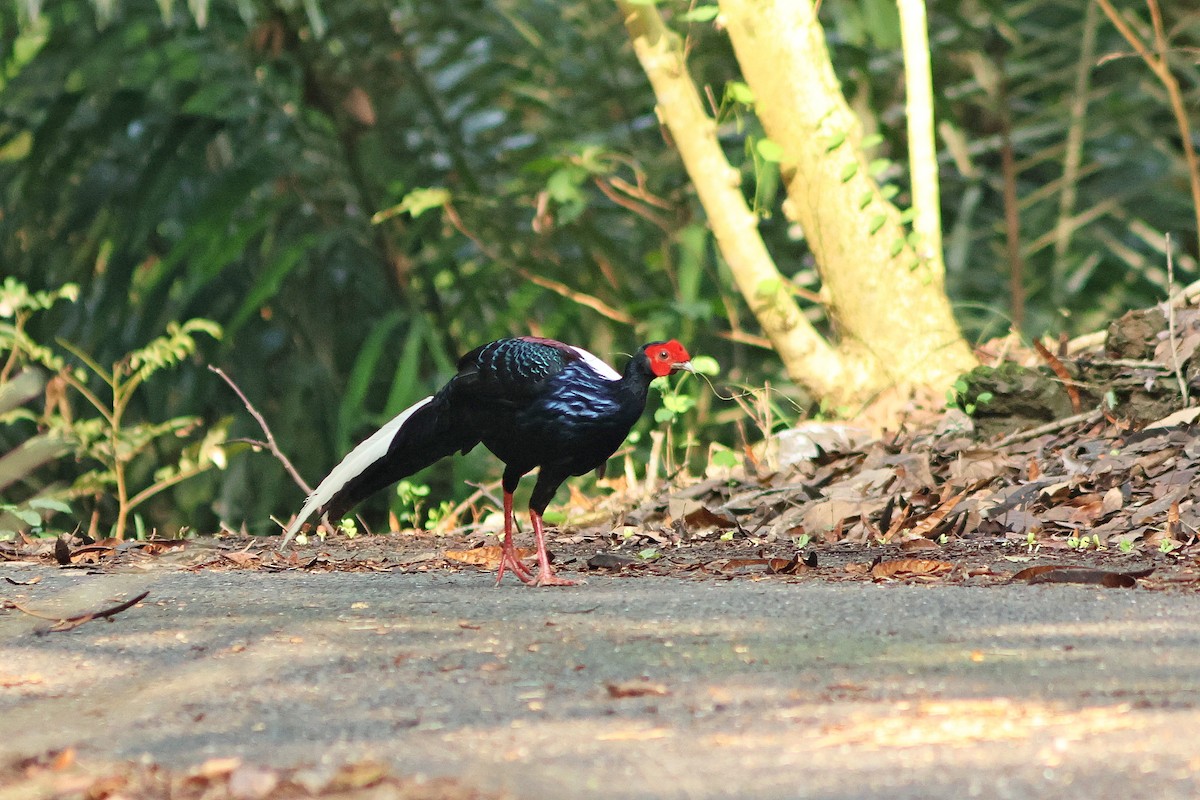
column 635, row 382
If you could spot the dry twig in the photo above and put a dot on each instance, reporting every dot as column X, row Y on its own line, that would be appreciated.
column 70, row 623
column 270, row 443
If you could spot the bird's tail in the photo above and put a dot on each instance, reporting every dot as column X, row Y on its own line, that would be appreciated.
column 412, row 440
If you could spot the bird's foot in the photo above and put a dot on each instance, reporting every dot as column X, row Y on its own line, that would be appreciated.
column 546, row 578
column 511, row 562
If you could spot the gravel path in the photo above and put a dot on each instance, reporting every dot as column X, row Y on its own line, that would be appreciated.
column 623, row 688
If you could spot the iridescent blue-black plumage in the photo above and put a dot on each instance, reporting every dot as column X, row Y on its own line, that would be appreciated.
column 534, row 403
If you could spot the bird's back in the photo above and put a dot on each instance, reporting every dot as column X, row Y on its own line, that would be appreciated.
column 534, row 402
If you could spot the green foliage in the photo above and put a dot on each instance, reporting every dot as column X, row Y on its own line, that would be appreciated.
column 107, row 436
column 962, row 397
column 359, row 193
column 116, row 443
column 19, row 465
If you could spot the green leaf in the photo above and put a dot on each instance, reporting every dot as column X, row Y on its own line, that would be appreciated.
column 874, row 140
column 876, row 223
column 889, row 191
column 878, row 166
column 767, row 288
column 415, row 203
column 678, row 403
column 739, row 92
column 835, row 141
column 724, row 458
column 701, row 14
column 662, row 415
column 49, row 504
column 706, row 365
column 849, row 171
column 768, row 150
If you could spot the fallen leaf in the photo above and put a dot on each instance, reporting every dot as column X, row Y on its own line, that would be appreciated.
column 738, row 564
column 488, row 556
column 1030, row 572
column 252, row 783
column 637, row 735
column 613, row 561
column 794, row 566
column 1112, row 580
column 920, row 543
column 359, row 775
column 635, row 689
column 1185, row 416
column 901, row 568
column 9, row 681
column 64, row 759
column 704, row 517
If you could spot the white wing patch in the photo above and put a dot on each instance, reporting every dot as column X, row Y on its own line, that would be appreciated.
column 354, row 464
column 597, row 364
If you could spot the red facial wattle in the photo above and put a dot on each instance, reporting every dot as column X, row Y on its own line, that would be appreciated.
column 668, row 357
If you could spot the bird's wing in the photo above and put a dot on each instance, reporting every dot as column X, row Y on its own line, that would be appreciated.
column 517, row 370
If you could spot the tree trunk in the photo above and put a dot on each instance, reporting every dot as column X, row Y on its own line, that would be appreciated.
column 888, row 298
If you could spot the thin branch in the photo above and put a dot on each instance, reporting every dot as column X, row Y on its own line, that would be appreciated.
column 590, row 301
column 1050, row 427
column 262, row 423
column 1161, row 68
column 70, row 623
column 1183, row 387
column 606, row 186
column 1073, row 159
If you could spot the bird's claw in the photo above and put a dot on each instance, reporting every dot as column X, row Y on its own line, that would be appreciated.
column 552, row 580
column 511, row 562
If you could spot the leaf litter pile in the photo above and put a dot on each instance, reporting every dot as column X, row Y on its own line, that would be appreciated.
column 1078, row 468
column 60, row 774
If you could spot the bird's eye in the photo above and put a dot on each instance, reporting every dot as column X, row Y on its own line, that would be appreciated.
column 663, row 355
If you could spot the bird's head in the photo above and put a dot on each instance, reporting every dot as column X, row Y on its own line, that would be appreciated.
column 666, row 358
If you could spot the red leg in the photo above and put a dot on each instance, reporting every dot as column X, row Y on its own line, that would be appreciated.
column 546, row 576
column 508, row 552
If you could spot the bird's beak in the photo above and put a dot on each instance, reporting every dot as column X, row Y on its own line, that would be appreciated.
column 686, row 366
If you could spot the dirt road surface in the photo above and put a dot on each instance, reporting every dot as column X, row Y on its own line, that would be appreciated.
column 622, row 688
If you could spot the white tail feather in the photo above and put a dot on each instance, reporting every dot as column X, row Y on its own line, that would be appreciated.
column 371, row 450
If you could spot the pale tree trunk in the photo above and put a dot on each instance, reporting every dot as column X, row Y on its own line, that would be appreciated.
column 922, row 152
column 896, row 328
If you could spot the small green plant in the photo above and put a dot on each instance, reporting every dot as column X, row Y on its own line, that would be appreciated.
column 1076, row 542
column 437, row 515
column 20, row 464
column 1125, row 545
column 959, row 396
column 412, row 498
column 649, row 554
column 20, row 383
column 110, row 438
column 726, row 459
column 115, row 443
column 802, row 541
column 1167, row 546
column 681, row 398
